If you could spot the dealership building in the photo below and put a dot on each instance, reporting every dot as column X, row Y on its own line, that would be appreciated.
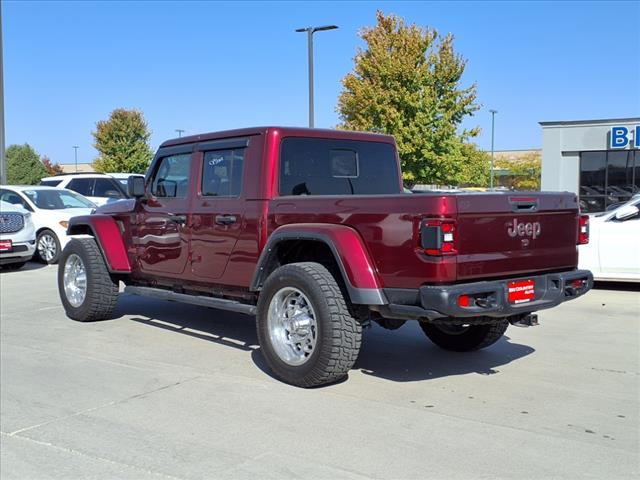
column 597, row 159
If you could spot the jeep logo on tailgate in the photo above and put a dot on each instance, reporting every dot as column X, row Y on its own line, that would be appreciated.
column 530, row 229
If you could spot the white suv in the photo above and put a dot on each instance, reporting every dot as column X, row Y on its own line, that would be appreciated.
column 51, row 208
column 17, row 236
column 97, row 187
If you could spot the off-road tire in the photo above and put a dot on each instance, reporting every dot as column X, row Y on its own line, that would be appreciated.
column 102, row 291
column 474, row 337
column 53, row 260
column 339, row 335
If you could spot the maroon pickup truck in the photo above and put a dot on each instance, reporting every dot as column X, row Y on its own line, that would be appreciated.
column 312, row 232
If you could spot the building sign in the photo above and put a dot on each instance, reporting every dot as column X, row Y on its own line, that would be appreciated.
column 622, row 137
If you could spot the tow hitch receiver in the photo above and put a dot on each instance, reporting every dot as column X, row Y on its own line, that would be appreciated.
column 528, row 320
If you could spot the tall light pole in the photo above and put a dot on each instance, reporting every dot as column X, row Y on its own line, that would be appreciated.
column 493, row 125
column 75, row 153
column 180, row 132
column 310, row 31
column 3, row 162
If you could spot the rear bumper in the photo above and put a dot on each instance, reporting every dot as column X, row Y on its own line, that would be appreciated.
column 431, row 302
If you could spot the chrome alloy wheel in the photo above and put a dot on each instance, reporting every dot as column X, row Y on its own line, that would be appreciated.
column 47, row 248
column 75, row 280
column 292, row 326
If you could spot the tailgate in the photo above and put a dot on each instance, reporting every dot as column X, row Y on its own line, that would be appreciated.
column 506, row 234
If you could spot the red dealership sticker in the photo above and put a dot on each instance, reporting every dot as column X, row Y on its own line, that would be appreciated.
column 5, row 245
column 521, row 291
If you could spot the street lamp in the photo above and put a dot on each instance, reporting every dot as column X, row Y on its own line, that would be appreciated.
column 3, row 160
column 310, row 31
column 180, row 132
column 493, row 124
column 75, row 152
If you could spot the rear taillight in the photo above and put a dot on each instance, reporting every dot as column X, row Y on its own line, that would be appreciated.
column 464, row 301
column 577, row 286
column 579, row 283
column 583, row 230
column 438, row 237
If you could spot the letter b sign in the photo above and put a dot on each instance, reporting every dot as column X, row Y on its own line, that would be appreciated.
column 619, row 137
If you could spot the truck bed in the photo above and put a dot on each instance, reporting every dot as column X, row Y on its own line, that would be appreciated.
column 545, row 226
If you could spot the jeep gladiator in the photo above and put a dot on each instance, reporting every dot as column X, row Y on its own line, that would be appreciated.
column 312, row 232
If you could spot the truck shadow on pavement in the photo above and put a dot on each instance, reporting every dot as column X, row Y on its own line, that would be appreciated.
column 224, row 328
column 407, row 355
column 404, row 355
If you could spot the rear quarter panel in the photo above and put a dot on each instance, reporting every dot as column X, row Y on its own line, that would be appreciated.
column 387, row 224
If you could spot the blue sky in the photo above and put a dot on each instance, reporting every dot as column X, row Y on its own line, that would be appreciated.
column 211, row 66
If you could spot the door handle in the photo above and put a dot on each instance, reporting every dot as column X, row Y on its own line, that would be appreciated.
column 179, row 219
column 225, row 219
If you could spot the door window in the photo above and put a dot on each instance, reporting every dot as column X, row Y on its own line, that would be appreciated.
column 607, row 179
column 620, row 175
column 172, row 176
column 222, row 173
column 84, row 186
column 107, row 187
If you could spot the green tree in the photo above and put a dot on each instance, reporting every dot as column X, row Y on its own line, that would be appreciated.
column 24, row 166
column 524, row 173
column 473, row 170
column 123, row 143
column 406, row 82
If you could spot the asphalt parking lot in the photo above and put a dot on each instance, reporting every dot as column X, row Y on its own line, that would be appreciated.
column 176, row 391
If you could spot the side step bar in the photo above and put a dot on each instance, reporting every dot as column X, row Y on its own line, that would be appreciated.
column 201, row 300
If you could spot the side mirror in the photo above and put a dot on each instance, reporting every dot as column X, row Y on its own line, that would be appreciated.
column 628, row 211
column 135, row 187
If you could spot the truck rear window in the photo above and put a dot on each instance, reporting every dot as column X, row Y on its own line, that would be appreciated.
column 313, row 166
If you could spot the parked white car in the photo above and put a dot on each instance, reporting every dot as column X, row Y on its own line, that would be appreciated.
column 613, row 251
column 17, row 236
column 97, row 187
column 51, row 208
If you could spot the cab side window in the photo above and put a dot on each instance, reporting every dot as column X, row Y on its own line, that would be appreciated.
column 107, row 187
column 171, row 179
column 222, row 173
column 83, row 186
